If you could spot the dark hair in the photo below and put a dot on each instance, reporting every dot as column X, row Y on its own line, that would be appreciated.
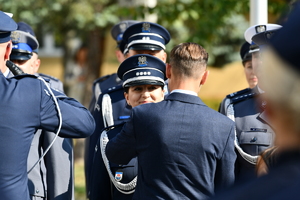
column 269, row 157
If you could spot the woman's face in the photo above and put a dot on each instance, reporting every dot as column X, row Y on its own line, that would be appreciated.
column 250, row 76
column 141, row 94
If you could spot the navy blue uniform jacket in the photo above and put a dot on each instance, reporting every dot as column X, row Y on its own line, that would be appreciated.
column 25, row 107
column 281, row 182
column 185, row 150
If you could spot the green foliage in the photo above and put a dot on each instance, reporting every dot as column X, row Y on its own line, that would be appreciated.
column 218, row 25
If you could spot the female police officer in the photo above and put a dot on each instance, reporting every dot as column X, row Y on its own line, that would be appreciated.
column 143, row 79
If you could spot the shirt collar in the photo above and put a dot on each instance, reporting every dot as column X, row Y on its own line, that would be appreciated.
column 260, row 90
column 5, row 74
column 184, row 92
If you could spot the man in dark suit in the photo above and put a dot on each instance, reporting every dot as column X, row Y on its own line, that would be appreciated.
column 184, row 149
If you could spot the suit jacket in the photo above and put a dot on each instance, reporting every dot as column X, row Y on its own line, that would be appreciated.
column 25, row 107
column 185, row 149
column 282, row 182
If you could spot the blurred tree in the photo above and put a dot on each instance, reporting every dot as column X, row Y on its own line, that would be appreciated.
column 218, row 25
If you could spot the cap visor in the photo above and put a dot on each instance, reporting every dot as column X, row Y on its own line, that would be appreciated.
column 144, row 82
column 145, row 47
column 19, row 56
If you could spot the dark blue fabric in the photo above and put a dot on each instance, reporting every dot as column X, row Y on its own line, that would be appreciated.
column 185, row 150
column 151, row 66
column 25, row 107
column 7, row 24
column 282, row 182
column 101, row 187
column 140, row 28
column 53, row 177
column 286, row 41
column 120, row 108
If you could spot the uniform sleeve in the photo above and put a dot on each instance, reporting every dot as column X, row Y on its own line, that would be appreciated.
column 225, row 166
column 122, row 148
column 222, row 106
column 77, row 122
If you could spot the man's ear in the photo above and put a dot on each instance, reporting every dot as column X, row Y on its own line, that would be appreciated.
column 36, row 65
column 204, row 77
column 8, row 50
column 168, row 70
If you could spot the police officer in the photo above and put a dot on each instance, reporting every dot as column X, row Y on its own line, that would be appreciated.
column 140, row 38
column 52, row 178
column 281, row 75
column 27, row 104
column 102, row 84
column 138, row 90
column 250, row 77
column 108, row 81
column 253, row 132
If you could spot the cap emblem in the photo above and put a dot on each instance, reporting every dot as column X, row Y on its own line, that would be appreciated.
column 142, row 61
column 15, row 37
column 260, row 28
column 146, row 28
column 122, row 27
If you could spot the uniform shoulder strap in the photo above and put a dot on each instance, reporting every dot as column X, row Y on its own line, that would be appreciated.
column 113, row 89
column 243, row 97
column 238, row 93
column 101, row 79
column 23, row 76
column 49, row 77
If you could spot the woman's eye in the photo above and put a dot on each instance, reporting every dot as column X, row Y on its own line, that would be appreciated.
column 137, row 89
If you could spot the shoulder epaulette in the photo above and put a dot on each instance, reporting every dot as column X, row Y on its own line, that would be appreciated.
column 49, row 77
column 112, row 89
column 243, row 97
column 101, row 79
column 238, row 93
column 23, row 75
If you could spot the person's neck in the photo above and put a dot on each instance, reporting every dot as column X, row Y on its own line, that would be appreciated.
column 260, row 90
column 5, row 71
column 190, row 85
